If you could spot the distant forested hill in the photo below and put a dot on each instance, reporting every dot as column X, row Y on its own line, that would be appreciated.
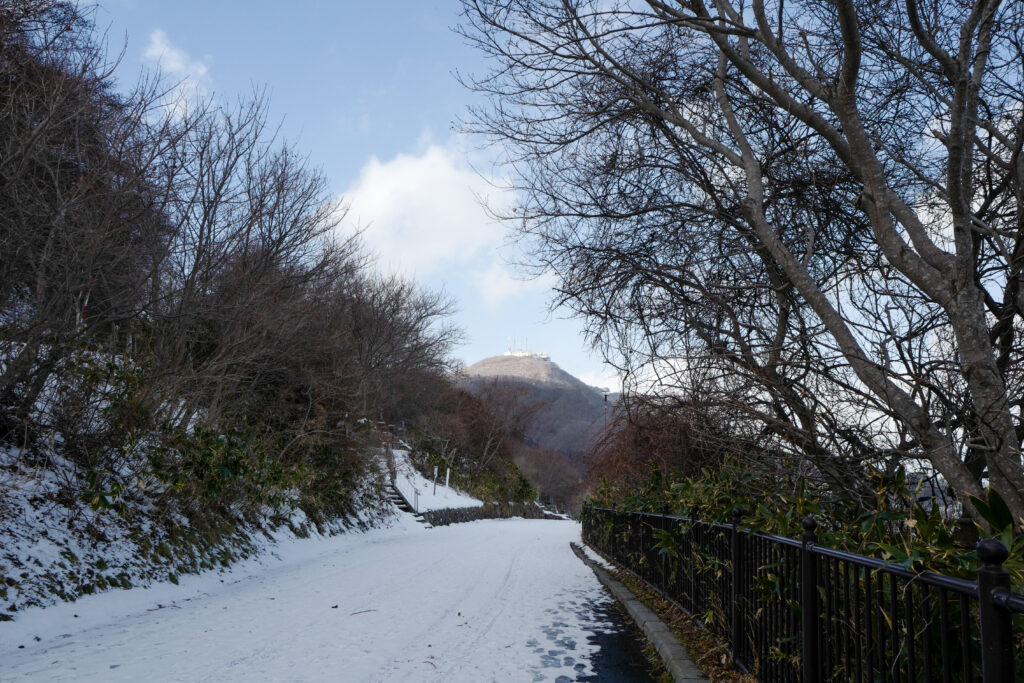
column 568, row 413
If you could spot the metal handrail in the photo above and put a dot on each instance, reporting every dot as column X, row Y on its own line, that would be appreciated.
column 795, row 610
column 402, row 485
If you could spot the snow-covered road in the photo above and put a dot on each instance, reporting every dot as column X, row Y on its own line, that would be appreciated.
column 502, row 600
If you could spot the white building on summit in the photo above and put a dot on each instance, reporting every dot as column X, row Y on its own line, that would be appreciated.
column 524, row 353
column 528, row 354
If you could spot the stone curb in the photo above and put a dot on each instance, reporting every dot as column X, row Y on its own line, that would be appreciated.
column 671, row 651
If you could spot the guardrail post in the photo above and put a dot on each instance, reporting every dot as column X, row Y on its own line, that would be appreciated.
column 736, row 631
column 809, row 601
column 665, row 525
column 687, row 563
column 995, row 621
column 613, row 544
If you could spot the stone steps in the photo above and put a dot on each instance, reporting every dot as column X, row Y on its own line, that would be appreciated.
column 396, row 498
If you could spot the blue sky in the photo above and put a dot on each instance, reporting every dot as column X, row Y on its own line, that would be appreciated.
column 366, row 90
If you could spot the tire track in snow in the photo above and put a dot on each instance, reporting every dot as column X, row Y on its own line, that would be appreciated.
column 494, row 611
column 505, row 577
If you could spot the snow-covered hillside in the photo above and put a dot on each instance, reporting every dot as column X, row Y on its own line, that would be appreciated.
column 424, row 494
column 54, row 547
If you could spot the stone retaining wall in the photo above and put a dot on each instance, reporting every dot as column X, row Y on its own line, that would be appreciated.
column 488, row 511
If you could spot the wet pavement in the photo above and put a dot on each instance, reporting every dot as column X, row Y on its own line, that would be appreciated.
column 620, row 655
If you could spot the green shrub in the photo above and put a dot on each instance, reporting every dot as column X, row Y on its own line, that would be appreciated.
column 896, row 526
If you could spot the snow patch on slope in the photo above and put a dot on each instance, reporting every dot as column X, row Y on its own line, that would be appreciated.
column 422, row 493
column 55, row 547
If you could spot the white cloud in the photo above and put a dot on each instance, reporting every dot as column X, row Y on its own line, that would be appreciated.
column 498, row 283
column 190, row 77
column 604, row 379
column 422, row 212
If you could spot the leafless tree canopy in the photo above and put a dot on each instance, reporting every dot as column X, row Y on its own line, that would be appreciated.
column 806, row 214
column 170, row 271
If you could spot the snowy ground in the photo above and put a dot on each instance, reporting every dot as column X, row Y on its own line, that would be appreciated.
column 496, row 600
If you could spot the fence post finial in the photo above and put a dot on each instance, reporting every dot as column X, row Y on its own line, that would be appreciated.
column 994, row 619
column 810, row 525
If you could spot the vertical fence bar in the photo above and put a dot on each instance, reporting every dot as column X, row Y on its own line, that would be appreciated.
column 845, row 616
column 764, row 641
column 793, row 560
column 869, row 636
column 928, row 616
column 996, row 623
column 965, row 638
column 697, row 575
column 735, row 632
column 894, row 632
column 858, row 635
column 944, row 626
column 911, row 638
column 809, row 600
column 880, row 594
column 774, row 612
column 663, row 526
column 826, row 644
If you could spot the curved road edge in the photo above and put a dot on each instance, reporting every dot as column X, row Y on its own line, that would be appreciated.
column 671, row 651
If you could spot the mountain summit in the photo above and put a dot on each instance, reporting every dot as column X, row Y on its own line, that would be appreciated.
column 571, row 411
column 529, row 367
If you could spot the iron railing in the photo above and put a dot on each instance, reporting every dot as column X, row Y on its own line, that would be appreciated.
column 796, row 611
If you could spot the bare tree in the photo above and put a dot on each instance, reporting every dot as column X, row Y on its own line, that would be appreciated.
column 558, row 481
column 400, row 334
column 78, row 223
column 475, row 431
column 174, row 288
column 812, row 206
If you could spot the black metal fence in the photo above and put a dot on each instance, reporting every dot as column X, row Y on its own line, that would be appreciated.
column 796, row 611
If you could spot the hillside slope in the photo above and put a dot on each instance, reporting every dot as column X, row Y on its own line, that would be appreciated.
column 569, row 412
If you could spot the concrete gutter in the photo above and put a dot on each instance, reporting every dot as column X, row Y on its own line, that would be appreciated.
column 671, row 651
